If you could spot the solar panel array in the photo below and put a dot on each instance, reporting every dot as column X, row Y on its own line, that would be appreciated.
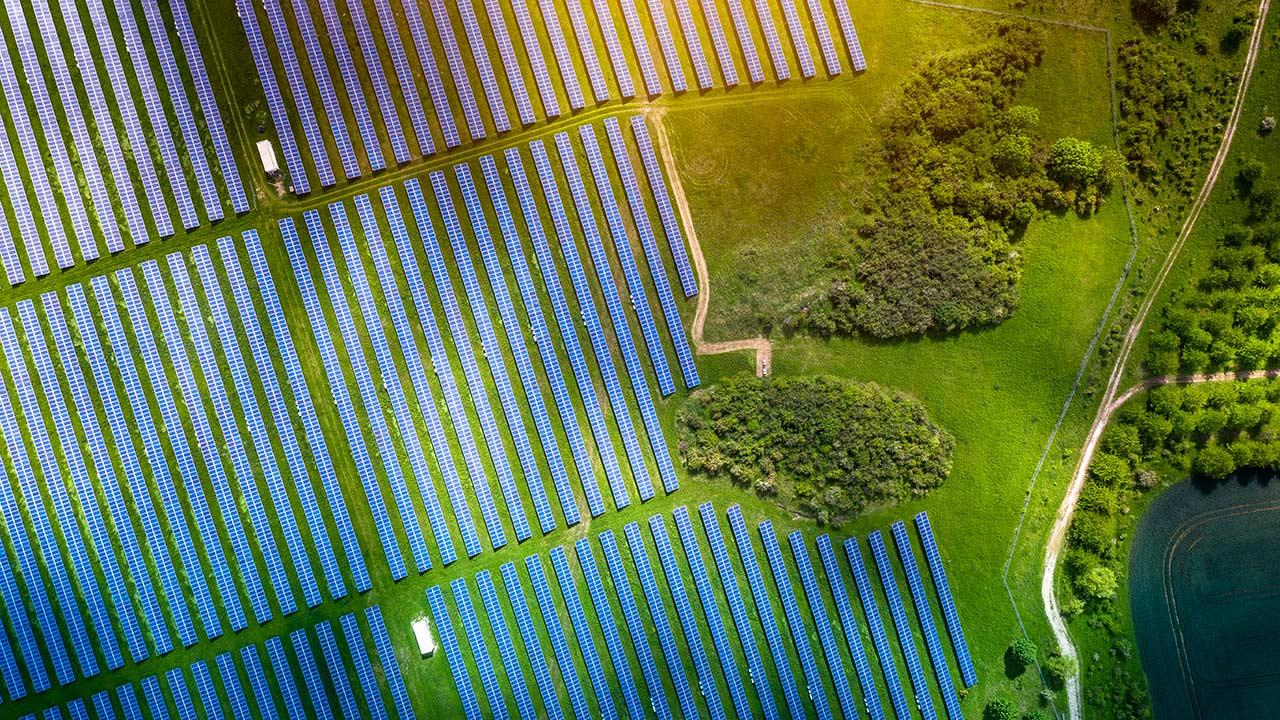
column 653, row 637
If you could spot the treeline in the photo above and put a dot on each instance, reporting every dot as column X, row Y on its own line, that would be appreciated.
column 825, row 447
column 965, row 172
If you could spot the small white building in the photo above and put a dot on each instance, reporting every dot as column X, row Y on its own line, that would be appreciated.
column 426, row 640
column 267, row 153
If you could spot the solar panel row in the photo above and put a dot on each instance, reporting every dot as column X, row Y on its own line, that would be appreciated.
column 587, row 48
column 298, row 88
column 617, row 654
column 275, row 101
column 560, row 50
column 510, row 62
column 853, row 637
column 949, row 613
column 721, row 43
column 902, row 624
column 350, row 81
column 933, row 644
column 404, row 76
column 617, row 56
column 480, row 54
column 694, row 43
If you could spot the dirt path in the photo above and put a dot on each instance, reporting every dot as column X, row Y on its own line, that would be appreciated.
column 1112, row 398
column 760, row 345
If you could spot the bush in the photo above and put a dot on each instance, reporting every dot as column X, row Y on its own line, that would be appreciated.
column 1098, row 583
column 1059, row 667
column 1214, row 462
column 1023, row 651
column 1000, row 709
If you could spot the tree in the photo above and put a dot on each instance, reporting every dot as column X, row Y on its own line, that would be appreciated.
column 1035, row 715
column 1110, row 470
column 1012, row 154
column 1214, row 462
column 1074, row 162
column 1155, row 11
column 1098, row 583
column 1059, row 667
column 1023, row 651
column 1000, row 709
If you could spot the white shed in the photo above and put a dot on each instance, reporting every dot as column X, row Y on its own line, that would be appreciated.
column 267, row 153
column 426, row 640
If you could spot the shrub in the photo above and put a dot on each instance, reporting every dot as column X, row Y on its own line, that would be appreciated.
column 1059, row 667
column 1098, row 583
column 1023, row 651
column 1000, row 709
column 1214, row 462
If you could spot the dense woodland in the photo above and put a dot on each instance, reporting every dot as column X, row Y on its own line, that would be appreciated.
column 827, row 448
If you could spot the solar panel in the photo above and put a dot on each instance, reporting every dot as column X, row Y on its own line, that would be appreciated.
column 616, row 652
column 377, row 74
column 586, row 46
column 350, row 80
column 853, row 638
column 29, row 486
column 727, row 67
column 879, row 637
column 822, row 623
column 182, row 109
column 404, row 75
column 745, row 41
column 102, row 705
column 210, row 705
column 798, row 39
column 850, row 35
column 310, row 675
column 781, row 69
column 630, row 270
column 301, row 96
column 129, row 701
column 18, row 200
column 949, row 613
column 364, row 378
column 582, row 629
column 70, row 450
column 631, row 614
column 511, row 323
column 275, row 103
column 658, row 616
column 764, row 608
column 431, row 73
column 688, row 621
column 657, row 269
column 506, row 648
column 738, row 610
column 208, row 445
column 658, row 187
column 155, row 112
column 232, row 687
column 392, row 386
column 933, row 644
column 155, row 698
column 568, row 73
column 337, row 670
column 529, row 637
column 617, row 57
column 693, row 43
column 480, row 54
column 387, row 659
column 510, row 62
column 14, row 609
column 711, row 611
column 68, row 97
column 347, row 412
column 458, row 69
column 590, row 317
column 453, row 653
column 675, row 69
column 258, row 681
column 569, row 334
column 364, row 668
column 144, row 427
column 533, row 51
column 475, row 382
column 799, row 632
column 479, row 648
column 181, row 695
column 302, row 403
column 559, row 644
column 924, row 702
column 413, row 361
column 819, row 18
column 618, row 316
column 640, row 46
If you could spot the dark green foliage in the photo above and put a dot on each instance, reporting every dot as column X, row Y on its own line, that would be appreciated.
column 1000, row 709
column 1215, row 462
column 827, row 448
column 1023, row 651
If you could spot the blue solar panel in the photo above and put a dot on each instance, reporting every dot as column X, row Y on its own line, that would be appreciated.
column 661, row 624
column 30, row 486
column 347, row 412
column 711, row 611
column 284, row 678
column 21, row 206
column 76, row 708
column 657, row 269
column 590, row 316
column 675, row 69
column 275, row 102
column 630, row 270
column 9, row 254
column 822, row 623
column 850, row 35
column 559, row 644
column 738, row 610
column 510, row 62
column 781, row 69
column 417, row 374
column 404, row 75
column 878, row 635
column 115, row 505
column 310, row 675
column 529, row 637
column 210, row 705
column 39, row 179
column 319, row 451
column 181, row 695
column 493, row 351
column 586, row 46
column 232, row 687
column 798, row 39
column 479, row 648
column 453, row 653
column 582, row 629
column 155, row 698
column 560, row 48
column 205, row 440
column 745, row 41
column 829, row 55
column 475, row 383
column 102, row 705
column 159, row 464
column 337, row 670
column 364, row 668
column 853, row 638
column 533, row 51
column 937, row 657
column 617, row 653
column 618, row 315
column 431, row 73
column 377, row 75
column 506, row 648
column 155, row 112
column 640, row 46
column 721, row 43
column 635, row 625
column 129, row 702
column 458, row 69
column 693, row 43
column 301, row 96
column 511, row 324
column 764, row 608
column 688, row 621
column 182, row 109
column 13, row 683
column 617, row 57
column 924, row 701
column 480, row 53
column 386, row 364
column 350, row 81
column 387, row 659
column 658, row 187
column 258, row 681
column 364, row 378
column 569, row 334
column 945, row 599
